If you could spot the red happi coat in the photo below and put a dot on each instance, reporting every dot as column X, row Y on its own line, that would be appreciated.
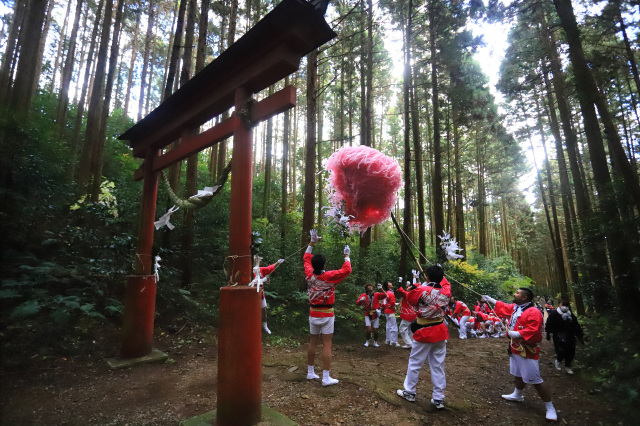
column 407, row 312
column 389, row 303
column 461, row 310
column 321, row 288
column 264, row 271
column 529, row 325
column 365, row 302
column 430, row 302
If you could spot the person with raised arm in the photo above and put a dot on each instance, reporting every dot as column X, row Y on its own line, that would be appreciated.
column 370, row 303
column 524, row 332
column 430, row 334
column 322, row 295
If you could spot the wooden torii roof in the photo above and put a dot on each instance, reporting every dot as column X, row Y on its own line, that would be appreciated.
column 267, row 53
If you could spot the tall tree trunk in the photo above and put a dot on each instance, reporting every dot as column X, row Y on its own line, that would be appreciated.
column 29, row 42
column 417, row 148
column 460, row 233
column 77, row 127
column 132, row 62
column 145, row 58
column 310, row 163
column 436, row 190
column 43, row 40
column 367, row 119
column 285, row 165
column 175, row 51
column 406, row 219
column 573, row 251
column 94, row 113
column 618, row 243
column 231, row 37
column 266, row 196
column 20, row 11
column 67, row 72
column 23, row 87
column 96, row 158
column 61, row 43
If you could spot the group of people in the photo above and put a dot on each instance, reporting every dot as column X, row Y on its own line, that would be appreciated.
column 423, row 309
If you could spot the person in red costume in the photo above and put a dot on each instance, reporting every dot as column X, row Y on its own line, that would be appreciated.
column 370, row 302
column 460, row 311
column 524, row 332
column 264, row 272
column 389, row 306
column 322, row 294
column 430, row 334
column 407, row 313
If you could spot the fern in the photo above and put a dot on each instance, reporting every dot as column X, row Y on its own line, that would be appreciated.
column 9, row 294
column 26, row 309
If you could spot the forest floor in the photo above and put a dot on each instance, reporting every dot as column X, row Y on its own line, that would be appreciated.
column 83, row 390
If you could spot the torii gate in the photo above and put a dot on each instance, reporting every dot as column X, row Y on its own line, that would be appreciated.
column 269, row 52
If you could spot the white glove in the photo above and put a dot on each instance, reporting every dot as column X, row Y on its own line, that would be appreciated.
column 347, row 250
column 400, row 279
column 380, row 286
column 489, row 299
column 314, row 236
column 280, row 261
column 514, row 334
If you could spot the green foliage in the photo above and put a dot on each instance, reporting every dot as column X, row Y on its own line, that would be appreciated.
column 611, row 357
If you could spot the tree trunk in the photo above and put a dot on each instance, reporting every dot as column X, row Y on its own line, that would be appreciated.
column 436, row 190
column 417, row 148
column 266, row 196
column 20, row 10
column 132, row 62
column 285, row 165
column 310, row 159
column 618, row 243
column 97, row 155
column 406, row 219
column 61, row 43
column 75, row 138
column 94, row 113
column 231, row 36
column 67, row 71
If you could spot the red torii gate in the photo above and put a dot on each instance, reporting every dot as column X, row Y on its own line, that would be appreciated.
column 269, row 52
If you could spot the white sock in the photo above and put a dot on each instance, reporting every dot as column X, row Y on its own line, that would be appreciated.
column 325, row 375
column 548, row 405
column 310, row 369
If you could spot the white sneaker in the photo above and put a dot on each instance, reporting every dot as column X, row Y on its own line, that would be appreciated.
column 569, row 370
column 557, row 364
column 386, row 342
column 396, row 344
column 312, row 375
column 376, row 345
column 484, row 336
column 264, row 326
column 551, row 416
column 407, row 347
column 366, row 344
column 513, row 397
column 463, row 337
column 329, row 381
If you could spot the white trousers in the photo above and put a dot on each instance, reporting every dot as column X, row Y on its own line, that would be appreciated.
column 405, row 332
column 463, row 326
column 392, row 328
column 435, row 353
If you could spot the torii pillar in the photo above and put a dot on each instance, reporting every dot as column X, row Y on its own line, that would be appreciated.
column 266, row 54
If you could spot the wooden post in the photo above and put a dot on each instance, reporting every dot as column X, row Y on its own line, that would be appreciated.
column 140, row 292
column 240, row 334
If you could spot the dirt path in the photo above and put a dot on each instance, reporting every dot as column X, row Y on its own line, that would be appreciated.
column 83, row 390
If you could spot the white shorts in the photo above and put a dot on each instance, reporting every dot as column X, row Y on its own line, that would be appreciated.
column 321, row 325
column 369, row 323
column 526, row 368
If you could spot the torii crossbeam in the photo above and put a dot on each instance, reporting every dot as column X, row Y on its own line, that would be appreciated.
column 266, row 54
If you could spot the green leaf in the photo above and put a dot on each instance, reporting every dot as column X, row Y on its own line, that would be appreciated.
column 27, row 309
